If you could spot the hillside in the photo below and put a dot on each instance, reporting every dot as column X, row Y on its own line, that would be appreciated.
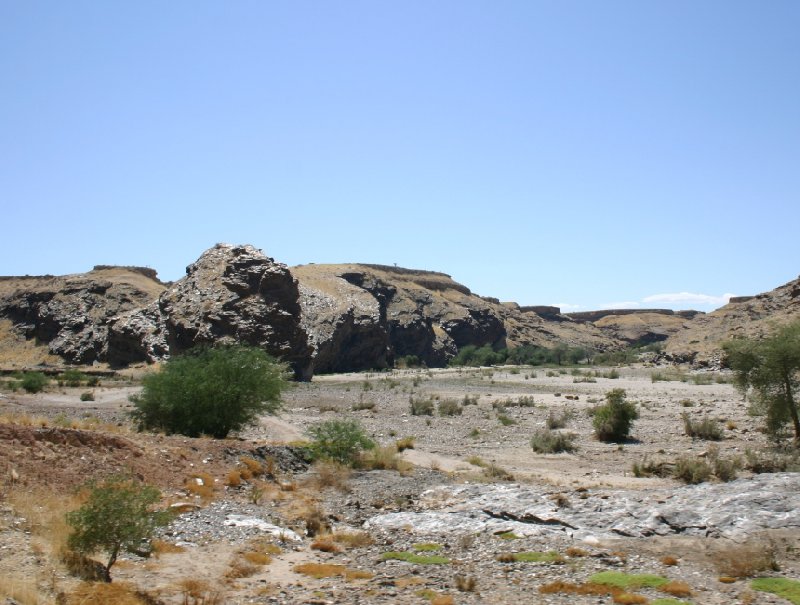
column 699, row 340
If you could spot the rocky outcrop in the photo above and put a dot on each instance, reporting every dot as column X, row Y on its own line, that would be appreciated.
column 70, row 314
column 230, row 294
column 700, row 340
column 364, row 316
column 732, row 510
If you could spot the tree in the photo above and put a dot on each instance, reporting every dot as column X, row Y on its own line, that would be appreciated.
column 210, row 391
column 771, row 367
column 116, row 517
column 339, row 440
column 612, row 421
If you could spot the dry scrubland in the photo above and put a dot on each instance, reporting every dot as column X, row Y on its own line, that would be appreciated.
column 52, row 441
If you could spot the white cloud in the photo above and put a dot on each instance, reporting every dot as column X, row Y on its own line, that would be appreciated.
column 567, row 306
column 628, row 304
column 688, row 298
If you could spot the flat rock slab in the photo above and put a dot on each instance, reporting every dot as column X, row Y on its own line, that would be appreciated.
column 733, row 510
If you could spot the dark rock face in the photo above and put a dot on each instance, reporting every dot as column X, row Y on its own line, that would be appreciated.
column 71, row 313
column 230, row 294
column 363, row 316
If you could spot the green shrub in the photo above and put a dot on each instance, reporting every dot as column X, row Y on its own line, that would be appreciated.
column 410, row 557
column 34, row 382
column 72, row 378
column 421, row 407
column 545, row 441
column 450, row 407
column 692, row 470
column 210, row 391
column 116, row 517
column 612, row 421
column 339, row 440
column 506, row 420
column 706, row 428
column 87, row 396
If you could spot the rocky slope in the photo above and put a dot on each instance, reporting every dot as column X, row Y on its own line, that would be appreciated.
column 700, row 339
column 365, row 316
column 69, row 315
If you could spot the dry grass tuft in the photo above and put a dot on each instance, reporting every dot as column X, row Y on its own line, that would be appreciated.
column 21, row 590
column 241, row 568
column 466, row 583
column 325, row 544
column 328, row 473
column 356, row 539
column 575, row 551
column 234, row 478
column 677, row 589
column 669, row 560
column 102, row 593
column 252, row 465
column 727, row 579
column 199, row 592
column 256, row 558
column 746, row 560
column 200, row 484
column 630, row 598
column 329, row 570
column 161, row 547
column 443, row 599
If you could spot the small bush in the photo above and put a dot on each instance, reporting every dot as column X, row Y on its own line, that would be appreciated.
column 339, row 440
column 545, row 441
column 706, row 428
column 34, row 382
column 421, row 407
column 117, row 516
column 87, row 396
column 450, row 407
column 612, row 421
column 506, row 420
column 692, row 470
column 72, row 378
column 559, row 421
column 406, row 443
column 745, row 560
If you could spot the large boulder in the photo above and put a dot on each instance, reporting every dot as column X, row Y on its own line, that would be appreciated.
column 231, row 294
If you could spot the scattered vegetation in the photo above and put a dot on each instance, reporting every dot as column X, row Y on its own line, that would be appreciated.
column 421, row 406
column 545, row 441
column 612, row 421
column 210, row 391
column 706, row 428
column 531, row 557
column 450, row 407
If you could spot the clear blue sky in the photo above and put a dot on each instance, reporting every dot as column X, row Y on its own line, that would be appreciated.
column 578, row 153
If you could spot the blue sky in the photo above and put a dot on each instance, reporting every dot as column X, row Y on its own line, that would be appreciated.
column 587, row 154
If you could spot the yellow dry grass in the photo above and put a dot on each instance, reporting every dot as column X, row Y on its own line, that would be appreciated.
column 101, row 593
column 22, row 590
column 330, row 570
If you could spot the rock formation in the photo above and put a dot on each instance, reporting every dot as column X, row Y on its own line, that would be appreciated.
column 230, row 294
column 699, row 340
column 70, row 314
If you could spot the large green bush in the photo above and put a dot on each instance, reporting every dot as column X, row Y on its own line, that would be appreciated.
column 612, row 421
column 210, row 391
column 339, row 440
column 116, row 517
column 34, row 382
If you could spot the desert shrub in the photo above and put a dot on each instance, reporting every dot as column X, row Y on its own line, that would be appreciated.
column 363, row 405
column 650, row 468
column 72, row 378
column 406, row 443
column 559, row 421
column 450, row 407
column 116, row 517
column 506, row 420
column 339, row 440
column 34, row 382
column 421, row 407
column 706, row 428
column 545, row 441
column 408, row 361
column 745, row 560
column 692, row 470
column 612, row 421
column 469, row 400
column 771, row 461
column 87, row 396
column 725, row 469
column 210, row 391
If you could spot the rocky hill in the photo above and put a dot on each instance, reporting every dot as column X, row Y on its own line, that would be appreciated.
column 699, row 340
column 325, row 318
